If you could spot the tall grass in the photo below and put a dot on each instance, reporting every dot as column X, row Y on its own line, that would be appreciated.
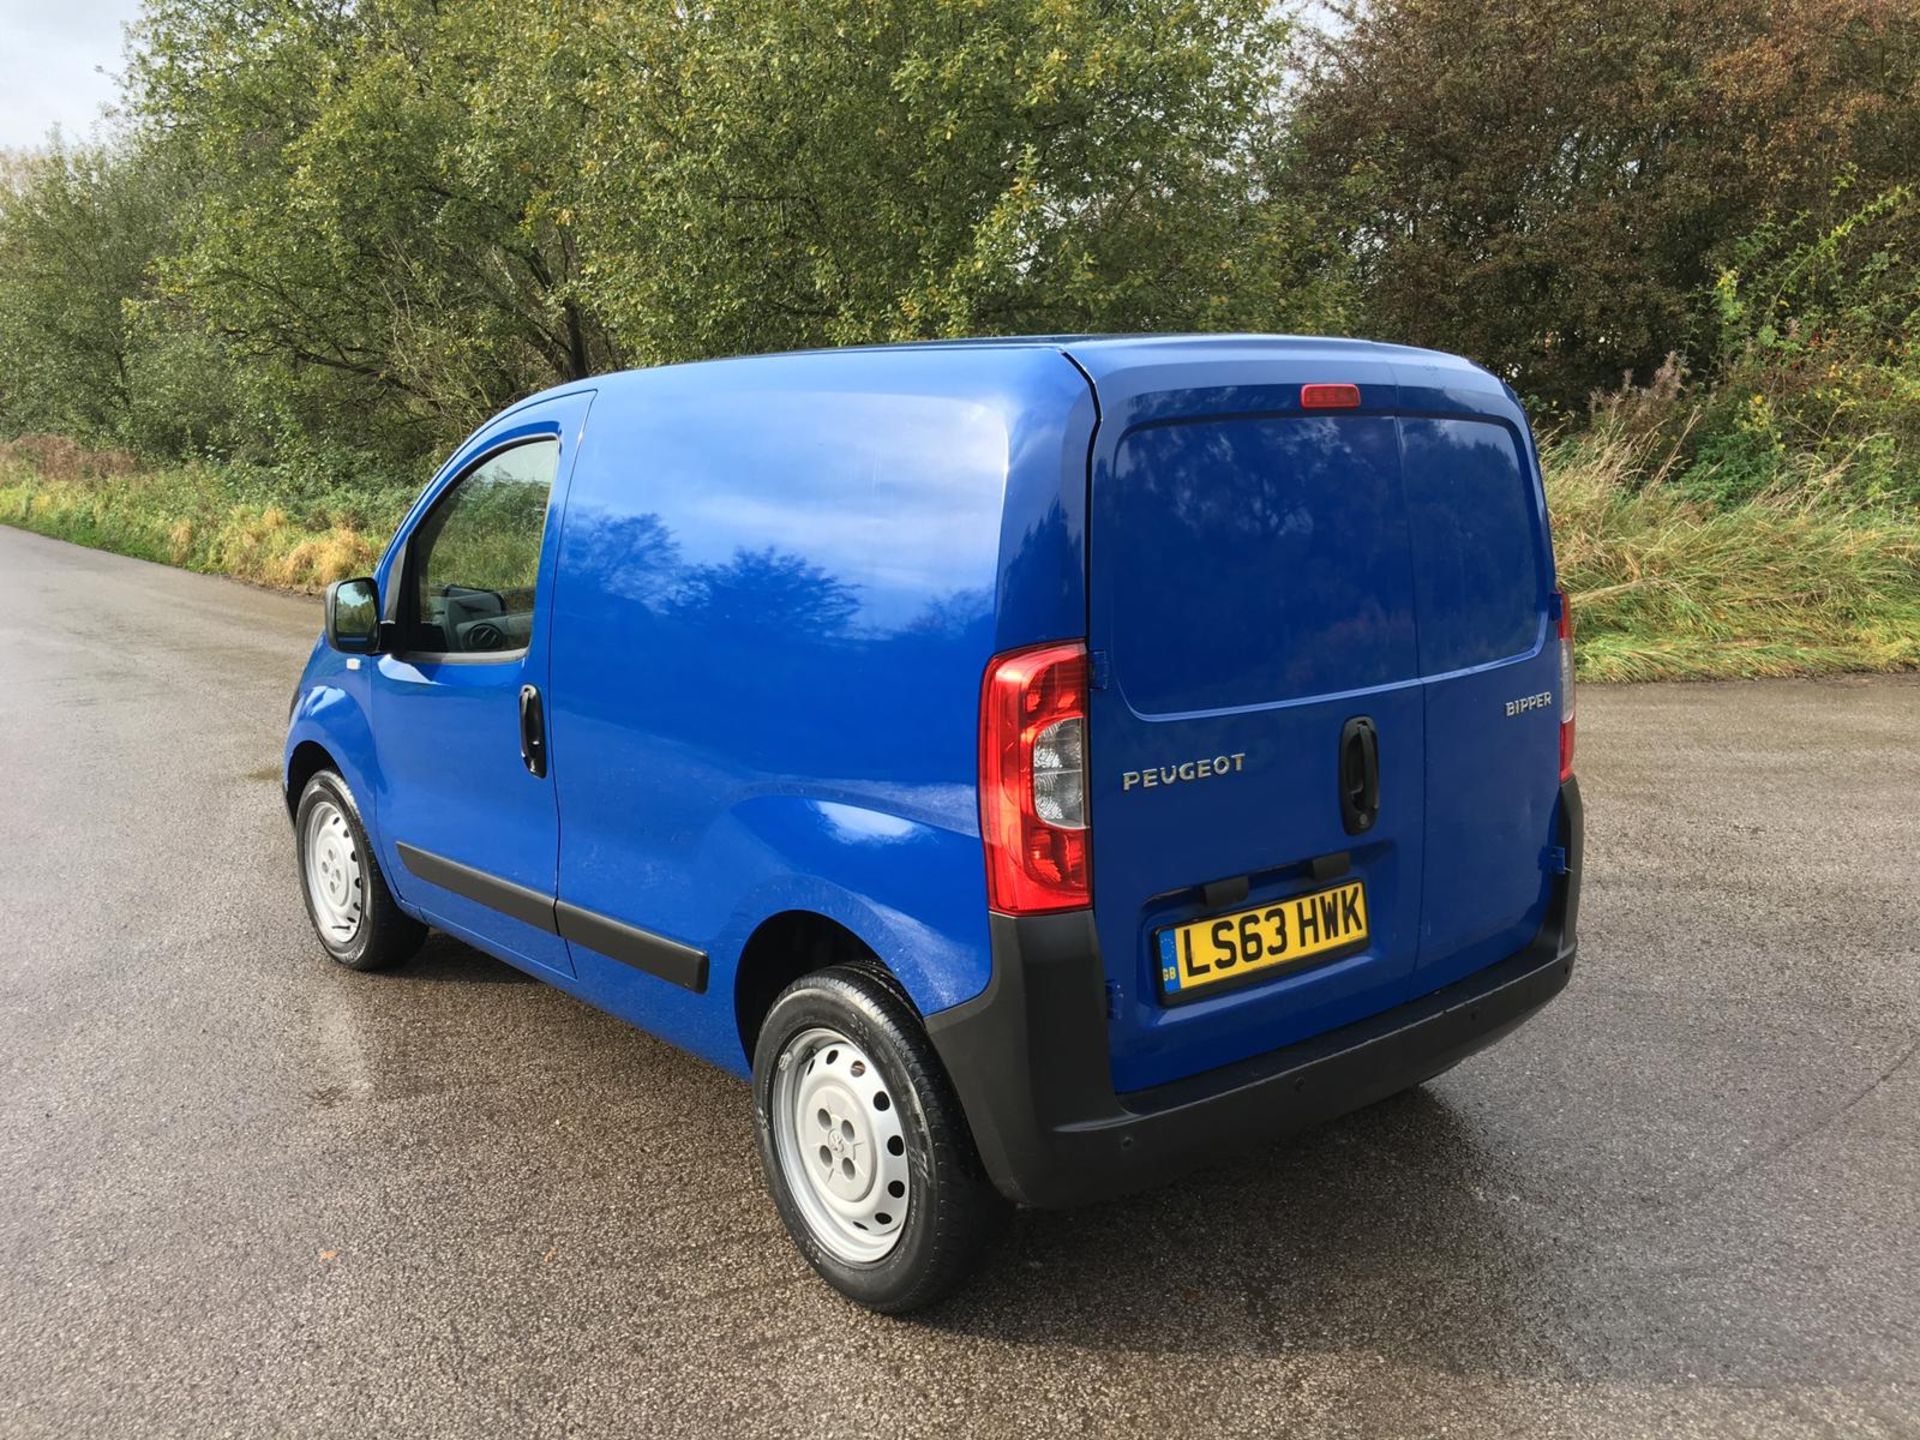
column 253, row 523
column 1670, row 587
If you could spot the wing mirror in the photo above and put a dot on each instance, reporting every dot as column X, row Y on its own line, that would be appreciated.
column 353, row 616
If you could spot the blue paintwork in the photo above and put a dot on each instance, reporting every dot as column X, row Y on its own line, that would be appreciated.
column 769, row 592
column 780, row 586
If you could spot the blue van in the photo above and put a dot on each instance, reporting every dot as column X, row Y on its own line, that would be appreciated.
column 1039, row 765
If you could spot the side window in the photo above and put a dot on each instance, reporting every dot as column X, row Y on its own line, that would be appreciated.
column 474, row 561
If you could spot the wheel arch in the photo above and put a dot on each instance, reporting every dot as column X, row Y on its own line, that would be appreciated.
column 307, row 759
column 329, row 731
column 787, row 945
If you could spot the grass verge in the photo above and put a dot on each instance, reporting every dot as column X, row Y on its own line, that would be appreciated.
column 251, row 523
column 1664, row 587
column 1669, row 588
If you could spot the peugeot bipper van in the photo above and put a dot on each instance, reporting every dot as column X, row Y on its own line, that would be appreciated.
column 1037, row 765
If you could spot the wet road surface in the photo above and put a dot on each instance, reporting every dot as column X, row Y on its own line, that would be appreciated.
column 243, row 1191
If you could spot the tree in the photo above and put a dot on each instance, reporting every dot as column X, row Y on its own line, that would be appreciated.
column 80, row 227
column 762, row 175
column 1551, row 186
column 379, row 218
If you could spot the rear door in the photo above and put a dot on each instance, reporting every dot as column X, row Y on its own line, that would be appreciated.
column 1483, row 588
column 1251, row 602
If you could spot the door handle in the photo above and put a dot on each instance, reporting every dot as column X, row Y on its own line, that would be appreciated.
column 533, row 732
column 1359, row 775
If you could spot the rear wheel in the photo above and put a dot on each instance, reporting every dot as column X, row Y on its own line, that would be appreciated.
column 354, row 915
column 864, row 1145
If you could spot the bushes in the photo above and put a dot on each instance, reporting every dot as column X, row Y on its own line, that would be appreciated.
column 1552, row 187
column 1710, row 533
column 1813, row 370
column 1819, row 334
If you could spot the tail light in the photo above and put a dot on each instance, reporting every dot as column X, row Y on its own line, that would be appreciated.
column 1566, row 685
column 1033, row 788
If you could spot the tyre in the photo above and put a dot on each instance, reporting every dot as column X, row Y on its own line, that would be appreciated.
column 864, row 1145
column 355, row 916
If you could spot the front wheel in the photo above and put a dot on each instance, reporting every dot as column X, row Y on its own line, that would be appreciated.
column 864, row 1145
column 354, row 914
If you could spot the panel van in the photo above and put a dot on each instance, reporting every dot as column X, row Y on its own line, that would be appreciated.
column 1037, row 766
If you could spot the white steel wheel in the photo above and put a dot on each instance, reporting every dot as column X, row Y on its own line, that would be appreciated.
column 841, row 1146
column 867, row 1153
column 335, row 880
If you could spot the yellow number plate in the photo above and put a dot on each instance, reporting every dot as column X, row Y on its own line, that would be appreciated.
column 1286, row 932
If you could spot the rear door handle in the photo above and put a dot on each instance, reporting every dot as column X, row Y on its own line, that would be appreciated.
column 1359, row 775
column 533, row 731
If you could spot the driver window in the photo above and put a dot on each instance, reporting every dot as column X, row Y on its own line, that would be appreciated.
column 476, row 557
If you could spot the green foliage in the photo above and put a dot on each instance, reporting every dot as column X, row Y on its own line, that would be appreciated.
column 374, row 230
column 404, row 214
column 1820, row 330
column 1814, row 388
column 247, row 521
column 764, row 175
column 1552, row 187
column 356, row 229
column 78, row 229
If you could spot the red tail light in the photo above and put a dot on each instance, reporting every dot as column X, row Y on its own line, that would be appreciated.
column 1329, row 397
column 1033, row 793
column 1566, row 685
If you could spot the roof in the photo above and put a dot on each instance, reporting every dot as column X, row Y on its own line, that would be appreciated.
column 1104, row 357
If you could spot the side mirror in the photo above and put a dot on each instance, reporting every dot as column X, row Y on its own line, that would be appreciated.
column 353, row 616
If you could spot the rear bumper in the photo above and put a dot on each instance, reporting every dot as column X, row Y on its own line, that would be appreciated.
column 1029, row 1057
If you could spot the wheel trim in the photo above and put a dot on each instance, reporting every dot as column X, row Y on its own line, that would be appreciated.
column 841, row 1146
column 330, row 866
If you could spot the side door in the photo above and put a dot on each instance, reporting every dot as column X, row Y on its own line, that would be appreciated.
column 468, row 820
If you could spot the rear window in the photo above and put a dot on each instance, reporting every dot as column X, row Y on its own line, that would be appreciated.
column 1479, row 569
column 1256, row 560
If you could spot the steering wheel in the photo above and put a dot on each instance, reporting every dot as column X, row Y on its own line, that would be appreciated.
column 485, row 635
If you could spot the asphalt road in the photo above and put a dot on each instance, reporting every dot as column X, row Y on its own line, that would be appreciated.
column 243, row 1191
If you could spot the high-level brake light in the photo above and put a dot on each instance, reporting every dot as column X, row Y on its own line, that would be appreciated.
column 1329, row 397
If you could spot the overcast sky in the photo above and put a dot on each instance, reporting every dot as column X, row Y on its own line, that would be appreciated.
column 52, row 55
